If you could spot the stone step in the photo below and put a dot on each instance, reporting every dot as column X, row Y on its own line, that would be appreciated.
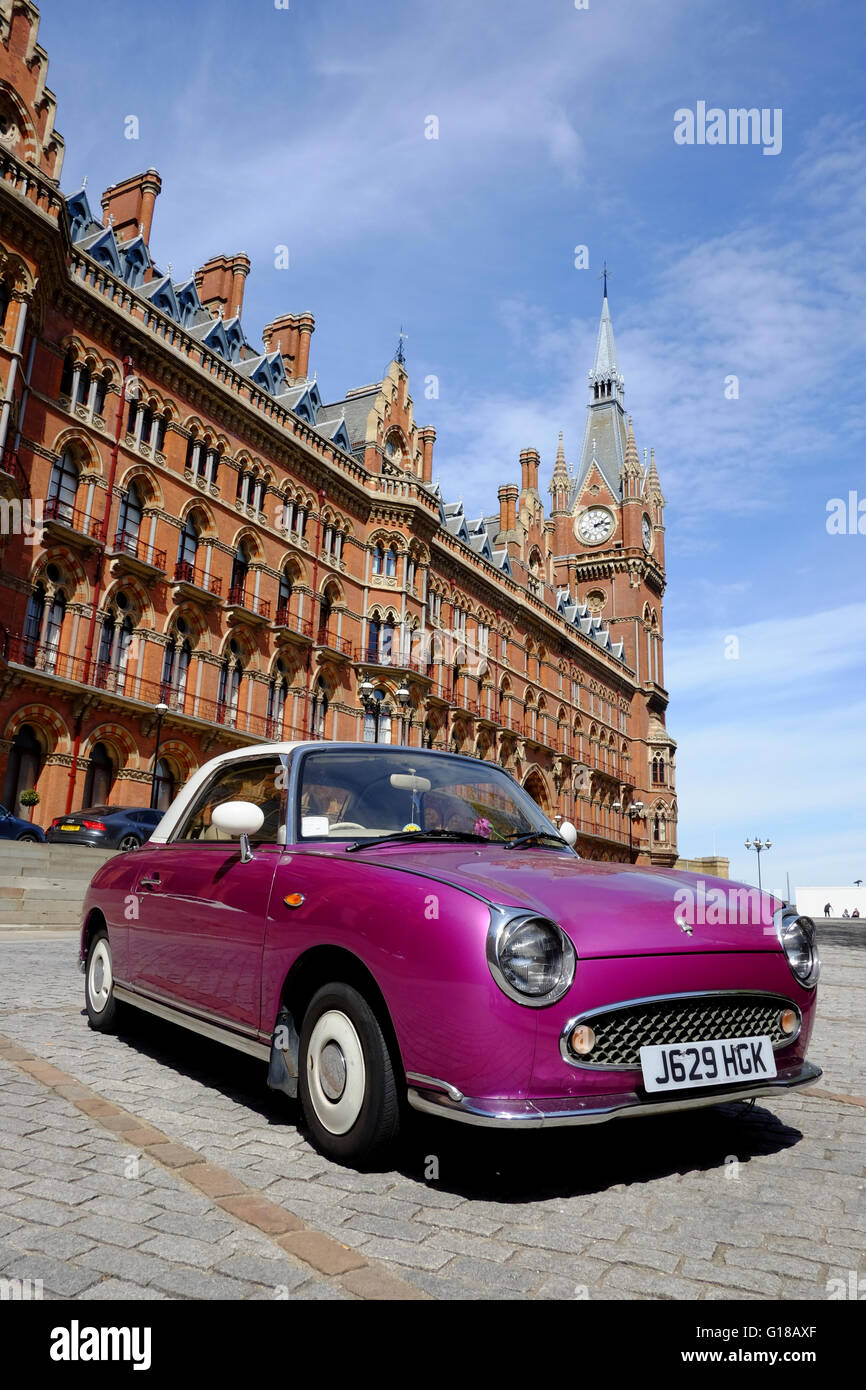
column 59, row 912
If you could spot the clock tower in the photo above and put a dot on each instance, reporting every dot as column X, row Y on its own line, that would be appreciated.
column 609, row 561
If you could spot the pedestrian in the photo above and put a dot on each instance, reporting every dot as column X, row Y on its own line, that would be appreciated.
column 856, row 912
column 828, row 911
column 846, row 913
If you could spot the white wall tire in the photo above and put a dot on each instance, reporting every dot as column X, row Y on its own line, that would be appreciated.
column 346, row 1081
column 99, row 999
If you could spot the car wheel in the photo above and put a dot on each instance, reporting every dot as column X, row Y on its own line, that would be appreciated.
column 102, row 1007
column 28, row 839
column 129, row 842
column 347, row 1087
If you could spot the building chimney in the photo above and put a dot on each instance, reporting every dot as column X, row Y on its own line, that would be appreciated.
column 530, row 461
column 220, row 283
column 293, row 332
column 240, row 269
column 130, row 205
column 507, row 506
column 427, row 435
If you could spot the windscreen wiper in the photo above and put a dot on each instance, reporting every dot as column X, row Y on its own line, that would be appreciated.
column 533, row 836
column 413, row 835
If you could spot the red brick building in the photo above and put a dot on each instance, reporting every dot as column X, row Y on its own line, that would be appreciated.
column 198, row 547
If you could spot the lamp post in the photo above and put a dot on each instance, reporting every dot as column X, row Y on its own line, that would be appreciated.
column 374, row 704
column 758, row 845
column 634, row 811
column 404, row 695
column 161, row 712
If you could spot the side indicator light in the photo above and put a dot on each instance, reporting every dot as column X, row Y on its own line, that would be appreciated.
column 788, row 1021
column 293, row 899
column 582, row 1040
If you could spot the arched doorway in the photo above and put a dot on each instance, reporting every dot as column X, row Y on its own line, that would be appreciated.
column 24, row 766
column 100, row 776
column 535, row 785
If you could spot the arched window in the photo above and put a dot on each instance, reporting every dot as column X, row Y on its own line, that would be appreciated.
column 5, row 300
column 187, row 548
column 319, row 711
column 284, row 598
column 175, row 666
column 391, row 562
column 659, row 828
column 374, row 631
column 83, row 393
column 378, row 559
column 129, row 520
column 33, row 623
column 23, row 767
column 100, row 777
column 386, row 641
column 115, row 642
column 240, row 571
column 67, row 376
column 278, row 691
column 100, row 394
column 228, row 694
column 326, row 609
column 63, row 487
column 53, row 631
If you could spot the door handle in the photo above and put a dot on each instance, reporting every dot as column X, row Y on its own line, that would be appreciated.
column 149, row 881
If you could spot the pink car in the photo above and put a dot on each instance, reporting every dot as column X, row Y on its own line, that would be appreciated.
column 383, row 925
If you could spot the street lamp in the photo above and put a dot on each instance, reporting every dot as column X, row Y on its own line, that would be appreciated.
column 634, row 812
column 404, row 695
column 757, row 845
column 161, row 712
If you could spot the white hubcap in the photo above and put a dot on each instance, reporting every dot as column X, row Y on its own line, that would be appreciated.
column 336, row 1073
column 99, row 976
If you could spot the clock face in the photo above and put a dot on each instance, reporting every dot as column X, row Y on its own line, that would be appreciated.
column 595, row 525
column 647, row 534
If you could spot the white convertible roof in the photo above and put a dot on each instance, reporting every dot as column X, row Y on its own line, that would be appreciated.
column 180, row 805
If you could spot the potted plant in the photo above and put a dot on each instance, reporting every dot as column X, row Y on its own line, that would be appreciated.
column 29, row 798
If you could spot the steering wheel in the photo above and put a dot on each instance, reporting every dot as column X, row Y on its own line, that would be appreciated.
column 349, row 825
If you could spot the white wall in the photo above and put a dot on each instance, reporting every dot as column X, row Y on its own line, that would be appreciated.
column 810, row 901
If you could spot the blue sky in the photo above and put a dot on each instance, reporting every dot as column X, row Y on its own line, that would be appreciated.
column 306, row 127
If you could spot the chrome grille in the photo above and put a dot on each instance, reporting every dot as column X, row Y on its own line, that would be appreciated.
column 622, row 1032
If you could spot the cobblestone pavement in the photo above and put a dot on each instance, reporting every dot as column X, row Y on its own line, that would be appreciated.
column 117, row 1178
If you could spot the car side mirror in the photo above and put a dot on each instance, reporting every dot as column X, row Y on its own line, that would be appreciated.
column 568, row 833
column 240, row 819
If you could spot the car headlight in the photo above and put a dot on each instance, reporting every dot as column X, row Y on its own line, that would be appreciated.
column 797, row 938
column 530, row 957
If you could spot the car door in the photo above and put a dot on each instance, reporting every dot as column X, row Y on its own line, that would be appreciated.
column 199, row 935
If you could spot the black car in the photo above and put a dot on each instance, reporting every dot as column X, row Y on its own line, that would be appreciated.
column 14, row 828
column 105, row 827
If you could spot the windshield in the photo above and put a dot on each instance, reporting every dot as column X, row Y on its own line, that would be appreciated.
column 362, row 794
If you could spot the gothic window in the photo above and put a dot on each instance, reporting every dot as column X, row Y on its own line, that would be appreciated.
column 33, row 623
column 63, row 487
column 53, row 630
column 5, row 300
column 377, row 719
column 67, row 375
column 240, row 573
column 129, row 519
column 284, row 597
column 228, row 694
column 319, row 711
column 176, row 659
column 83, row 392
column 100, row 394
column 278, row 690
column 391, row 562
column 373, row 635
column 378, row 559
column 187, row 549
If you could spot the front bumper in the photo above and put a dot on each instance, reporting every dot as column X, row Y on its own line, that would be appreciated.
column 589, row 1110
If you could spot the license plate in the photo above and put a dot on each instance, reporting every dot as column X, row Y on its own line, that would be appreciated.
column 70, row 827
column 679, row 1066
